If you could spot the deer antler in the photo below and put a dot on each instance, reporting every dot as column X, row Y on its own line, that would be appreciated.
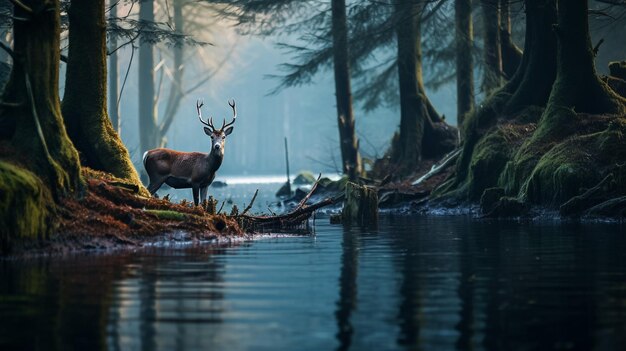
column 232, row 105
column 199, row 105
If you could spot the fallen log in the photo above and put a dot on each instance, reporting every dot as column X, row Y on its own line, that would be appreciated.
column 294, row 221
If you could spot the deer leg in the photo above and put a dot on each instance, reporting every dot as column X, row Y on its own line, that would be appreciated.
column 196, row 191
column 203, row 192
column 155, row 185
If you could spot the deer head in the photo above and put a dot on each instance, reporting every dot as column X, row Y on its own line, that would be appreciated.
column 218, row 136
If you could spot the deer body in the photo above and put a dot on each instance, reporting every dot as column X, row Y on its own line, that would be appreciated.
column 195, row 170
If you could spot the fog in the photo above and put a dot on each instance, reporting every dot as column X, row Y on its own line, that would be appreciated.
column 306, row 115
column 239, row 66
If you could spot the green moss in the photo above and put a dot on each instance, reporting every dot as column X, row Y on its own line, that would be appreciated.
column 577, row 163
column 333, row 185
column 26, row 206
column 490, row 156
column 304, row 177
column 167, row 215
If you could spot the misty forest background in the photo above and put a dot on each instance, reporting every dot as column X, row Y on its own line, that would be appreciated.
column 222, row 56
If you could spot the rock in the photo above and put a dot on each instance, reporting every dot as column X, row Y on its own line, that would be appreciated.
column 284, row 191
column 490, row 198
column 361, row 205
column 304, row 178
column 218, row 184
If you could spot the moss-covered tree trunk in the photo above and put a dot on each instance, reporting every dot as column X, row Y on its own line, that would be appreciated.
column 33, row 128
column 39, row 163
column 530, row 85
column 511, row 54
column 577, row 85
column 351, row 159
column 492, row 75
column 464, row 37
column 84, row 102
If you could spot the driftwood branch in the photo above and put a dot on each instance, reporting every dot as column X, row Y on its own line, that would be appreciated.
column 251, row 203
column 445, row 162
column 308, row 196
column 294, row 219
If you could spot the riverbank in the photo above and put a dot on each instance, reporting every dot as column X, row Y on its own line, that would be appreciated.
column 110, row 214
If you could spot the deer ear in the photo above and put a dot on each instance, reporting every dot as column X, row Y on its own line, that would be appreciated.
column 228, row 131
column 208, row 131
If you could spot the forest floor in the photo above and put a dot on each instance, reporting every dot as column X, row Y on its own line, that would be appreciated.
column 111, row 215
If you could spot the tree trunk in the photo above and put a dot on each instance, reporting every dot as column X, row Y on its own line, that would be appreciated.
column 114, row 111
column 148, row 127
column 511, row 54
column 176, row 91
column 577, row 84
column 537, row 73
column 33, row 85
column 423, row 133
column 84, row 103
column 530, row 85
column 413, row 111
column 464, row 37
column 492, row 77
column 347, row 134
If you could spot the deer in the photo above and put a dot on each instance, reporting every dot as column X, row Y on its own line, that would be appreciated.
column 195, row 170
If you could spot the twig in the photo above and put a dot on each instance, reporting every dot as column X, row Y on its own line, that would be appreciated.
column 221, row 207
column 251, row 203
column 36, row 118
column 597, row 47
column 438, row 167
column 8, row 50
column 11, row 104
column 130, row 62
column 21, row 5
column 272, row 212
column 132, row 40
column 306, row 198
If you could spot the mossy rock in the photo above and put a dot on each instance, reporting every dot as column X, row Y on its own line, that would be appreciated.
column 26, row 207
column 328, row 185
column 304, row 178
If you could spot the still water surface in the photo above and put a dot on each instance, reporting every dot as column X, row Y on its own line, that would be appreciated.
column 414, row 283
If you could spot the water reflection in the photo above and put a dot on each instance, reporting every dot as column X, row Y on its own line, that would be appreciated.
column 425, row 283
column 347, row 288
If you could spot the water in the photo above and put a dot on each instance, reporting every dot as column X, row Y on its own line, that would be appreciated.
column 240, row 190
column 415, row 283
